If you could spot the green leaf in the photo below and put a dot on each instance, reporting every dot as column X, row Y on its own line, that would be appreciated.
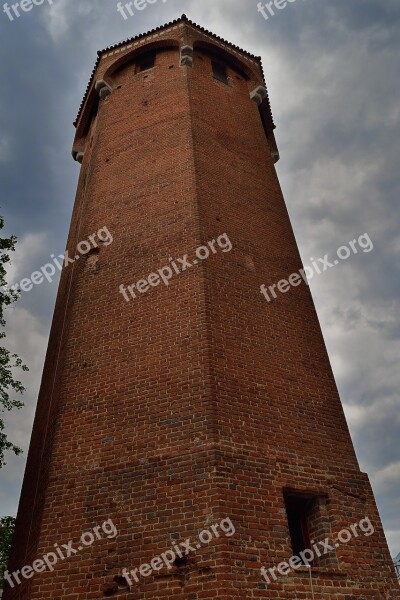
column 7, row 525
column 9, row 386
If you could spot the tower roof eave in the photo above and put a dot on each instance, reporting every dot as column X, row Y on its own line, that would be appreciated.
column 181, row 19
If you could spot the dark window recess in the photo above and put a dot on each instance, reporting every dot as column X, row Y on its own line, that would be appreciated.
column 146, row 62
column 299, row 509
column 309, row 525
column 220, row 72
column 93, row 115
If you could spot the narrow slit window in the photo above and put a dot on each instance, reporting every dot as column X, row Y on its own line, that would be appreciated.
column 220, row 72
column 298, row 510
column 309, row 524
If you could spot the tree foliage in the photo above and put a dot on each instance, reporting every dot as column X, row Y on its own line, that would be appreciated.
column 8, row 362
column 7, row 525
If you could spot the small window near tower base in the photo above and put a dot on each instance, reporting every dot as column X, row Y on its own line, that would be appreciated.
column 298, row 510
column 145, row 63
column 309, row 525
column 220, row 72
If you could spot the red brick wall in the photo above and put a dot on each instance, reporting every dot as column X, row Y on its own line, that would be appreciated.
column 198, row 401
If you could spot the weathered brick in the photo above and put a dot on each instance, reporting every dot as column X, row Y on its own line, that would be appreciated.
column 197, row 401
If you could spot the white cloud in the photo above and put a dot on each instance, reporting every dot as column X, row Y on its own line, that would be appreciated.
column 388, row 476
column 28, row 253
column 63, row 15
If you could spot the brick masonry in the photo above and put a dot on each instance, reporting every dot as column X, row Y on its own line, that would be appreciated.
column 198, row 401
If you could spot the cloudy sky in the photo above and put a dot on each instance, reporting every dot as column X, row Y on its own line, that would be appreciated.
column 333, row 74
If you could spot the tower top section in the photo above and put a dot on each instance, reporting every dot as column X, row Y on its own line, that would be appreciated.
column 181, row 33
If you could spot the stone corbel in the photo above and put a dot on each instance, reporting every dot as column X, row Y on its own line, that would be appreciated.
column 78, row 155
column 275, row 156
column 259, row 94
column 103, row 88
column 186, row 56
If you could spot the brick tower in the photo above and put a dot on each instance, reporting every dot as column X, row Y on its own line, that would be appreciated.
column 171, row 409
